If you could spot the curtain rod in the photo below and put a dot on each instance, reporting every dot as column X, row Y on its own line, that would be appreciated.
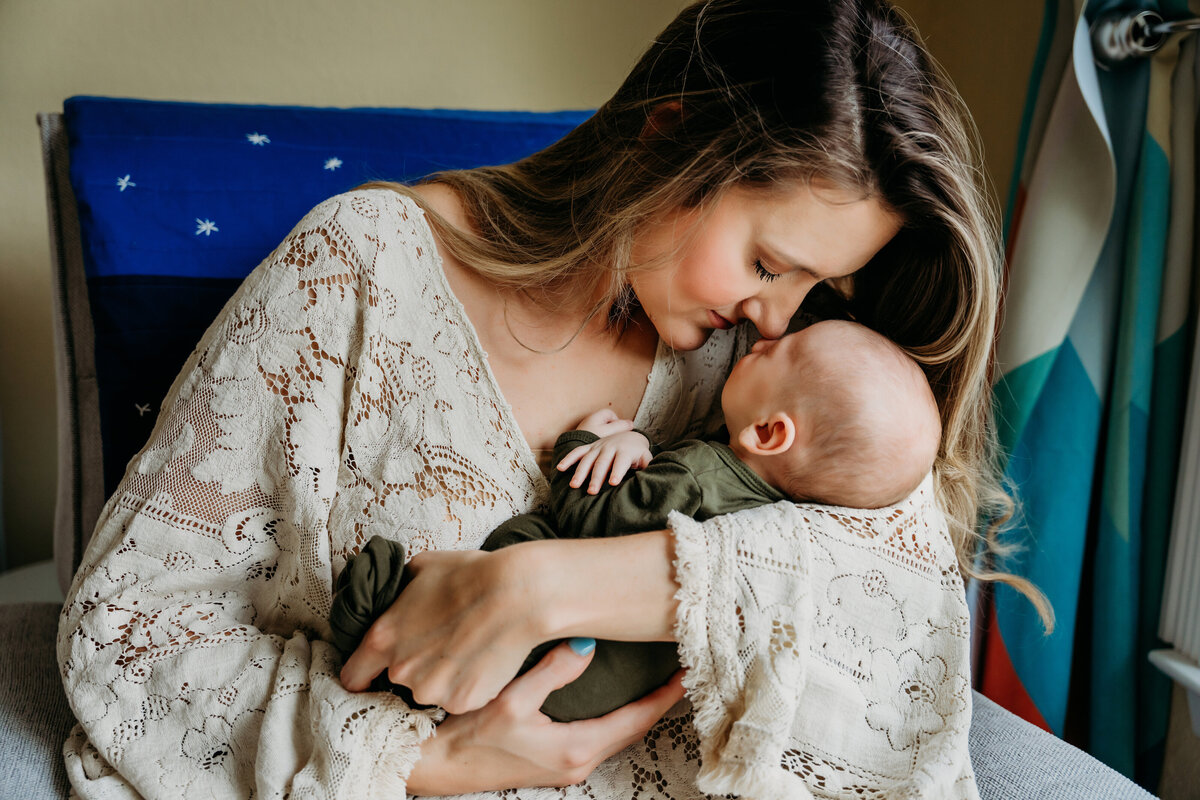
column 1122, row 36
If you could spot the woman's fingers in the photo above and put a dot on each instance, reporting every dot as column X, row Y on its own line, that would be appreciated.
column 356, row 672
column 634, row 719
column 509, row 742
column 615, row 731
column 367, row 661
column 560, row 666
column 456, row 635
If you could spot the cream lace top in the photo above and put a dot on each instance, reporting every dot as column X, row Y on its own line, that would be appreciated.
column 342, row 393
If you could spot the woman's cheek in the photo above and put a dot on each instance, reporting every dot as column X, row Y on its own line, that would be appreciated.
column 707, row 286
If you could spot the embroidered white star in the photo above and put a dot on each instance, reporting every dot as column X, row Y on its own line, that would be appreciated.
column 333, row 163
column 258, row 138
column 206, row 226
column 124, row 183
column 142, row 409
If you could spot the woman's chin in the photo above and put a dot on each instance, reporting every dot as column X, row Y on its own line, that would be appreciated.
column 690, row 339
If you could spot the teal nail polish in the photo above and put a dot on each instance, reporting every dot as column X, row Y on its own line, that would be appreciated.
column 582, row 645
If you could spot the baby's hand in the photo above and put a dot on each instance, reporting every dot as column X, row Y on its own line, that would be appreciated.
column 614, row 455
column 604, row 422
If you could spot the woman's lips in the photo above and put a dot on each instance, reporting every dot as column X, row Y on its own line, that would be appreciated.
column 719, row 322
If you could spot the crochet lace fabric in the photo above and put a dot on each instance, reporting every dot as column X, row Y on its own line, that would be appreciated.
column 342, row 393
column 827, row 651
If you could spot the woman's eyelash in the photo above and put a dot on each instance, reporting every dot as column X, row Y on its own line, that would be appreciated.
column 763, row 272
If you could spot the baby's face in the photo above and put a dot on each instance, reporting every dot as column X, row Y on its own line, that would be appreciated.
column 754, row 383
column 867, row 425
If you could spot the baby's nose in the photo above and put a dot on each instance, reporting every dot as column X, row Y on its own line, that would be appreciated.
column 771, row 329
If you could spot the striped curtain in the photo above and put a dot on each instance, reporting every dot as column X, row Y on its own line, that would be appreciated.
column 1093, row 359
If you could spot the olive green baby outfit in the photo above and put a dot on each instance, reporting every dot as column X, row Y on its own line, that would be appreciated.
column 700, row 479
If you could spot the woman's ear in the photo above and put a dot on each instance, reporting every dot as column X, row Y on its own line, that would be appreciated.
column 769, row 437
column 662, row 121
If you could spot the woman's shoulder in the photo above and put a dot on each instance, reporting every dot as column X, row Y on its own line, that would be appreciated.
column 368, row 206
column 373, row 237
column 375, row 218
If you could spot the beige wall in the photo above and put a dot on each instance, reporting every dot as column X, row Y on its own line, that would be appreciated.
column 532, row 54
column 988, row 49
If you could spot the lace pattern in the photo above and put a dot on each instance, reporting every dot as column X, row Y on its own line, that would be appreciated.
column 342, row 393
column 828, row 651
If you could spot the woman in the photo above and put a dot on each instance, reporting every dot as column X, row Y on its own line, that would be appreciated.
column 398, row 362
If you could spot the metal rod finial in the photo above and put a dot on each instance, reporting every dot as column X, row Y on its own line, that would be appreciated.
column 1121, row 36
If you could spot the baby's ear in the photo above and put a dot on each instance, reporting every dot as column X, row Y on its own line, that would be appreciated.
column 769, row 437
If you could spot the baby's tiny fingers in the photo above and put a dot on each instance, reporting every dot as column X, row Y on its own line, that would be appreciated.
column 583, row 468
column 618, row 426
column 620, row 466
column 579, row 477
column 570, row 458
column 599, row 470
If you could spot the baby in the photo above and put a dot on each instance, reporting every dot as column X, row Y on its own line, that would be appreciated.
column 834, row 413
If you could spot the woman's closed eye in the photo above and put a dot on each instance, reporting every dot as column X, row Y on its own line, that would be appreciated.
column 763, row 272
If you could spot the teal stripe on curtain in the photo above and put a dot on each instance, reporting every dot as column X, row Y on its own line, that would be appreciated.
column 1052, row 463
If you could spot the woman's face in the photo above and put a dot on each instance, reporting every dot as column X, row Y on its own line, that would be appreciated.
column 754, row 257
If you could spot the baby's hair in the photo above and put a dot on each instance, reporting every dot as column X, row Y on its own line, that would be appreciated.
column 870, row 416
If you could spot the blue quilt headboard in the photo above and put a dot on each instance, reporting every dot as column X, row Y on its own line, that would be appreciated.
column 177, row 202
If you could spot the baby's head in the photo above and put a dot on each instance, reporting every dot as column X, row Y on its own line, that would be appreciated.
column 834, row 413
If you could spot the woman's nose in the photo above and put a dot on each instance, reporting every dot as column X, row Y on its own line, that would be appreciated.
column 772, row 314
column 771, row 322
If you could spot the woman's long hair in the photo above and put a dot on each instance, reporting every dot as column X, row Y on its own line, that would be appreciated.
column 766, row 93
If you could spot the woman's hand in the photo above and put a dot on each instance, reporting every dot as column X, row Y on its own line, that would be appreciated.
column 509, row 743
column 459, row 632
column 456, row 635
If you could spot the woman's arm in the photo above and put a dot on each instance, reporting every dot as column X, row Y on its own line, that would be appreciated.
column 620, row 588
column 190, row 640
column 459, row 632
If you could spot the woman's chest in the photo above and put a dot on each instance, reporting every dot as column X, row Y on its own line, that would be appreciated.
column 550, row 393
column 439, row 426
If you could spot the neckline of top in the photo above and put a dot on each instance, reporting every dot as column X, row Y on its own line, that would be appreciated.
column 659, row 369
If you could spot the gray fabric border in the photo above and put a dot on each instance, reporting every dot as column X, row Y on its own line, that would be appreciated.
column 1014, row 760
column 35, row 717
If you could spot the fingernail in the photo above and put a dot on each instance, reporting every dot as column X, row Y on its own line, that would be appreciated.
column 582, row 645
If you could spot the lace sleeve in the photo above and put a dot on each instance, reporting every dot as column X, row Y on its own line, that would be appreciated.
column 827, row 651
column 191, row 641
